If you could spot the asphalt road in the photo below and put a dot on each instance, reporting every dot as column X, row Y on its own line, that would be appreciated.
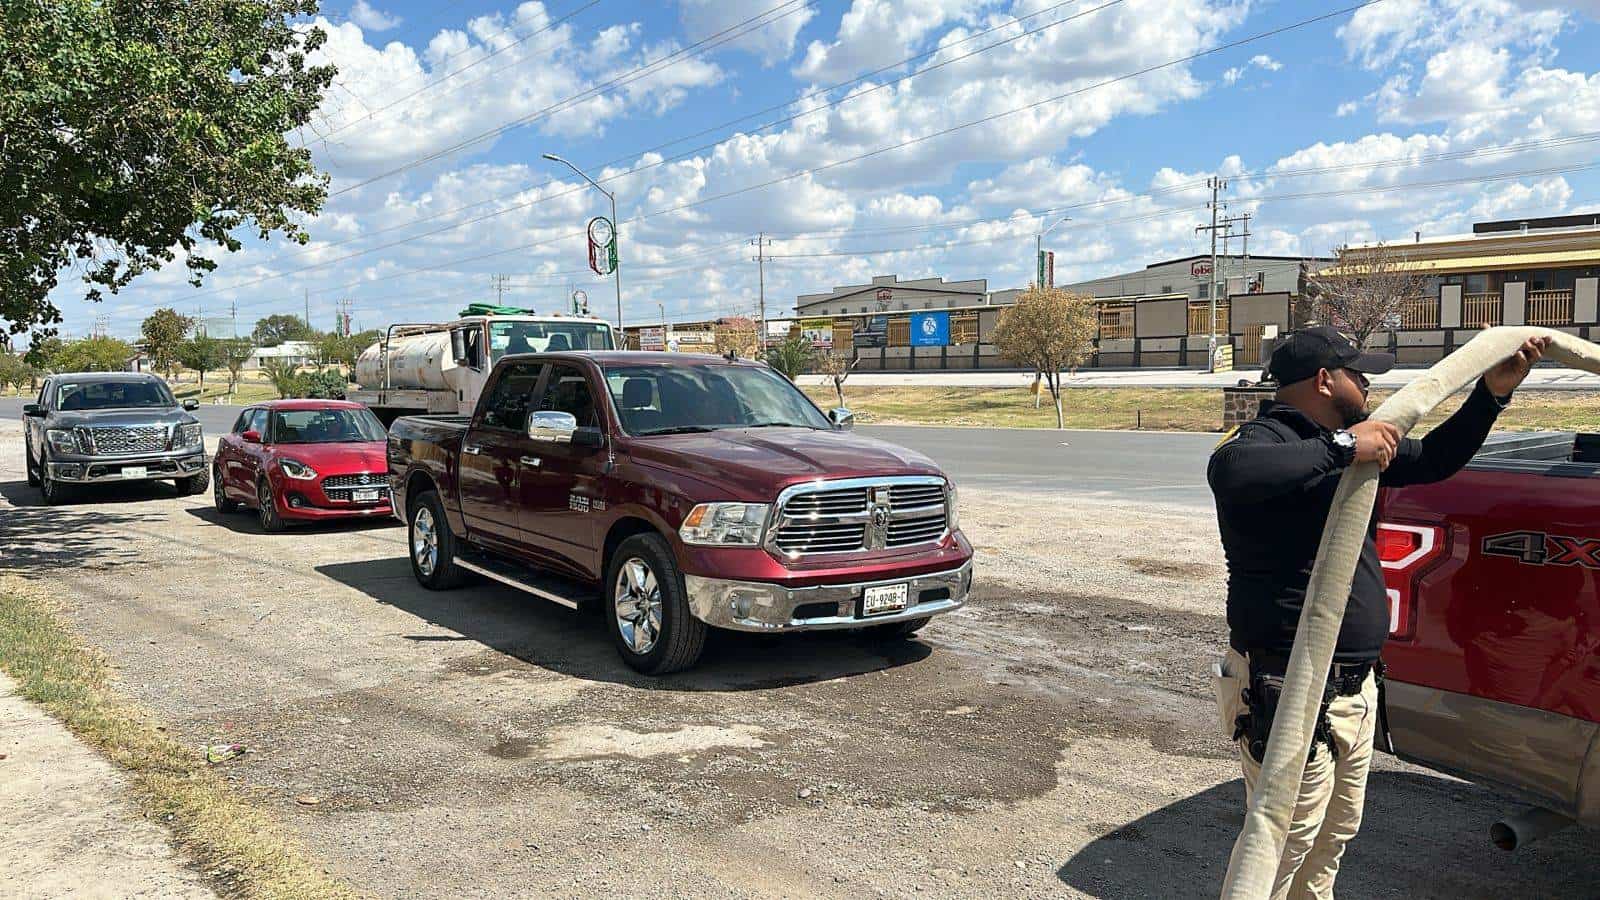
column 1160, row 468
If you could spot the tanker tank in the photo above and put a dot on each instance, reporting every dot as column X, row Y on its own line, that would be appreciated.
column 416, row 362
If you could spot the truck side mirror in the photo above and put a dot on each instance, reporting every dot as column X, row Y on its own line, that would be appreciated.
column 552, row 426
column 842, row 419
column 458, row 348
column 191, row 404
column 33, row 409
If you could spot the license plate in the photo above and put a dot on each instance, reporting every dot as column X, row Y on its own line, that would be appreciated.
column 884, row 598
column 370, row 496
column 135, row 471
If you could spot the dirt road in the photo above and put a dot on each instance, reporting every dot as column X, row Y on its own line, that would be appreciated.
column 1054, row 739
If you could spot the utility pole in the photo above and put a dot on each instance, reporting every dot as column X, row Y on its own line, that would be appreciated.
column 1217, row 185
column 499, row 282
column 1227, row 235
column 761, row 242
column 233, row 313
column 308, row 306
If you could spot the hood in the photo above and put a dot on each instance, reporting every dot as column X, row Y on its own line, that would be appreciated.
column 757, row 463
column 93, row 418
column 337, row 459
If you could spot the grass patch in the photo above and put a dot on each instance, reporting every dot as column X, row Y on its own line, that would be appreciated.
column 246, row 392
column 1158, row 409
column 245, row 852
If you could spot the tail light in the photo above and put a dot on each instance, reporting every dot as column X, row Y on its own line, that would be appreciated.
column 1405, row 552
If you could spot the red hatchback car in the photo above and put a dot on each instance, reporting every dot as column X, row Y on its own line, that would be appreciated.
column 303, row 460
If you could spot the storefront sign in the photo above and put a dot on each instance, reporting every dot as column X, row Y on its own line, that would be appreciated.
column 930, row 329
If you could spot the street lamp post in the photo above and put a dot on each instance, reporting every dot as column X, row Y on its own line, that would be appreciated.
column 1038, row 249
column 616, row 228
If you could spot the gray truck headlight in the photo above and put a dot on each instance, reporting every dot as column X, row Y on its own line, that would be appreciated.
column 188, row 436
column 725, row 524
column 62, row 440
column 294, row 468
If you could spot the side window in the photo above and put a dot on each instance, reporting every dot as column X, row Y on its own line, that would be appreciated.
column 507, row 405
column 568, row 391
column 242, row 424
column 44, row 394
column 258, row 423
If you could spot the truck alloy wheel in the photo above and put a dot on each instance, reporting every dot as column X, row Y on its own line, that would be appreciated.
column 637, row 603
column 432, row 547
column 424, row 541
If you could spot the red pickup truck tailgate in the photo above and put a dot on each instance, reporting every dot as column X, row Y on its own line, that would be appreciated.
column 1494, row 586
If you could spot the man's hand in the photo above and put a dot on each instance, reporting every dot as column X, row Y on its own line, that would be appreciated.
column 1504, row 377
column 1376, row 442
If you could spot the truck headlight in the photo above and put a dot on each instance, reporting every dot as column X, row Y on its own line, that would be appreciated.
column 294, row 468
column 188, row 436
column 725, row 524
column 62, row 440
column 952, row 509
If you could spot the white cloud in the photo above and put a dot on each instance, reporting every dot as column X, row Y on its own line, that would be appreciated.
column 772, row 43
column 1260, row 61
column 1347, row 108
column 371, row 18
column 873, row 32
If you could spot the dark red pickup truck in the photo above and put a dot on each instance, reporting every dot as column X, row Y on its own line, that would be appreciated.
column 683, row 492
column 1494, row 589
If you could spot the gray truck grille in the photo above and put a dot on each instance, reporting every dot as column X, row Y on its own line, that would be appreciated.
column 338, row 487
column 128, row 438
column 859, row 514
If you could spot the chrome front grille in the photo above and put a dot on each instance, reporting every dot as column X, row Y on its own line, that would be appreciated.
column 859, row 514
column 338, row 487
column 111, row 439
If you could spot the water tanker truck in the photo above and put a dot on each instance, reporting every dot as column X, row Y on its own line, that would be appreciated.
column 439, row 368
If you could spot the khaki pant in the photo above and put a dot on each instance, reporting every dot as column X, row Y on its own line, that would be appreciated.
column 1328, row 811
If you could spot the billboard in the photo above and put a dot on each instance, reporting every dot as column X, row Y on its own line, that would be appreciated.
column 819, row 332
column 652, row 338
column 930, row 329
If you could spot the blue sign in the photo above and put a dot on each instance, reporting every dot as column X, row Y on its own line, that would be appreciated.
column 930, row 329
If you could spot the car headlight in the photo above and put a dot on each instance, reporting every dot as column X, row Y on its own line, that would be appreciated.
column 725, row 524
column 62, row 440
column 952, row 508
column 188, row 436
column 294, row 468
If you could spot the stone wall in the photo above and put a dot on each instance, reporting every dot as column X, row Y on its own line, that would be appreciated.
column 1239, row 404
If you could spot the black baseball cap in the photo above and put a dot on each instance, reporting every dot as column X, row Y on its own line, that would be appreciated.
column 1303, row 353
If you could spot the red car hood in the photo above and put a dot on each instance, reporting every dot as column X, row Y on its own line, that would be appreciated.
column 337, row 459
column 758, row 463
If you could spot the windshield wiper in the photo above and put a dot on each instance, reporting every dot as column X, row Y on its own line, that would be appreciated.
column 780, row 425
column 681, row 429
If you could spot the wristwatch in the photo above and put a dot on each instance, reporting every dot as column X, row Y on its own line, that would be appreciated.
column 1344, row 443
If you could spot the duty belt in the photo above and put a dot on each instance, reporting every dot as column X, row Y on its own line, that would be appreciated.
column 1346, row 679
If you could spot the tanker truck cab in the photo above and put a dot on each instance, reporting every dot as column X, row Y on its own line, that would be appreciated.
column 441, row 368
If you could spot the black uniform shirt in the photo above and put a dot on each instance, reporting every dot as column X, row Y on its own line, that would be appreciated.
column 1273, row 493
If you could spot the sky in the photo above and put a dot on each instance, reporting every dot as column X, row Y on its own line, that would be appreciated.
column 915, row 138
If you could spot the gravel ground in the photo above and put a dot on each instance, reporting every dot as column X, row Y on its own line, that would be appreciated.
column 1053, row 739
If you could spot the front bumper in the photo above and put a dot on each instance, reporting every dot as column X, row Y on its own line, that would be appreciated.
column 104, row 469
column 763, row 606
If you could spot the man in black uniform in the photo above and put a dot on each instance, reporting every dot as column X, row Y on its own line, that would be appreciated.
column 1274, row 478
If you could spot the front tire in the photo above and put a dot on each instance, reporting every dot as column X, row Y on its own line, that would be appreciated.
column 54, row 492
column 219, row 495
column 194, row 484
column 432, row 546
column 267, row 508
column 647, row 609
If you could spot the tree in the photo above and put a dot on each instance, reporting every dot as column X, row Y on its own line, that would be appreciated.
column 1048, row 330
column 275, row 329
column 201, row 353
column 792, row 357
column 136, row 132
column 1366, row 291
column 95, row 354
column 164, row 332
column 837, row 363
column 282, row 375
column 337, row 349
column 45, row 353
column 15, row 371
column 235, row 353
column 737, row 335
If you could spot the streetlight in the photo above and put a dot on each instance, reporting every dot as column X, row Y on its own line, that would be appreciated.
column 1038, row 240
column 616, row 227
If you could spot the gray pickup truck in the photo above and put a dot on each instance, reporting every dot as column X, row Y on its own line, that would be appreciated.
column 97, row 427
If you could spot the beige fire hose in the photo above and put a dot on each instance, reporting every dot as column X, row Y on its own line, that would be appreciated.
column 1254, row 863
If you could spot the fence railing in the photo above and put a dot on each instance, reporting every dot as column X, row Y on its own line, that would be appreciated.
column 1549, row 308
column 1478, row 310
column 1116, row 322
column 1420, row 312
column 1250, row 345
column 1200, row 318
column 964, row 328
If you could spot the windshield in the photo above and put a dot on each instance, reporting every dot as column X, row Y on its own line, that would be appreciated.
column 132, row 394
column 325, row 426
column 668, row 399
column 539, row 337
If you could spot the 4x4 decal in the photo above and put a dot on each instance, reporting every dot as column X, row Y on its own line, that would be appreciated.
column 1535, row 548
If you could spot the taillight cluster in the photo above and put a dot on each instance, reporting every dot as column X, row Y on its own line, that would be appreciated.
column 1405, row 552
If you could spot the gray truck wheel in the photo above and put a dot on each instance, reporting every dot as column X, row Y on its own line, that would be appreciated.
column 194, row 484
column 54, row 492
column 647, row 609
column 432, row 548
column 27, row 463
